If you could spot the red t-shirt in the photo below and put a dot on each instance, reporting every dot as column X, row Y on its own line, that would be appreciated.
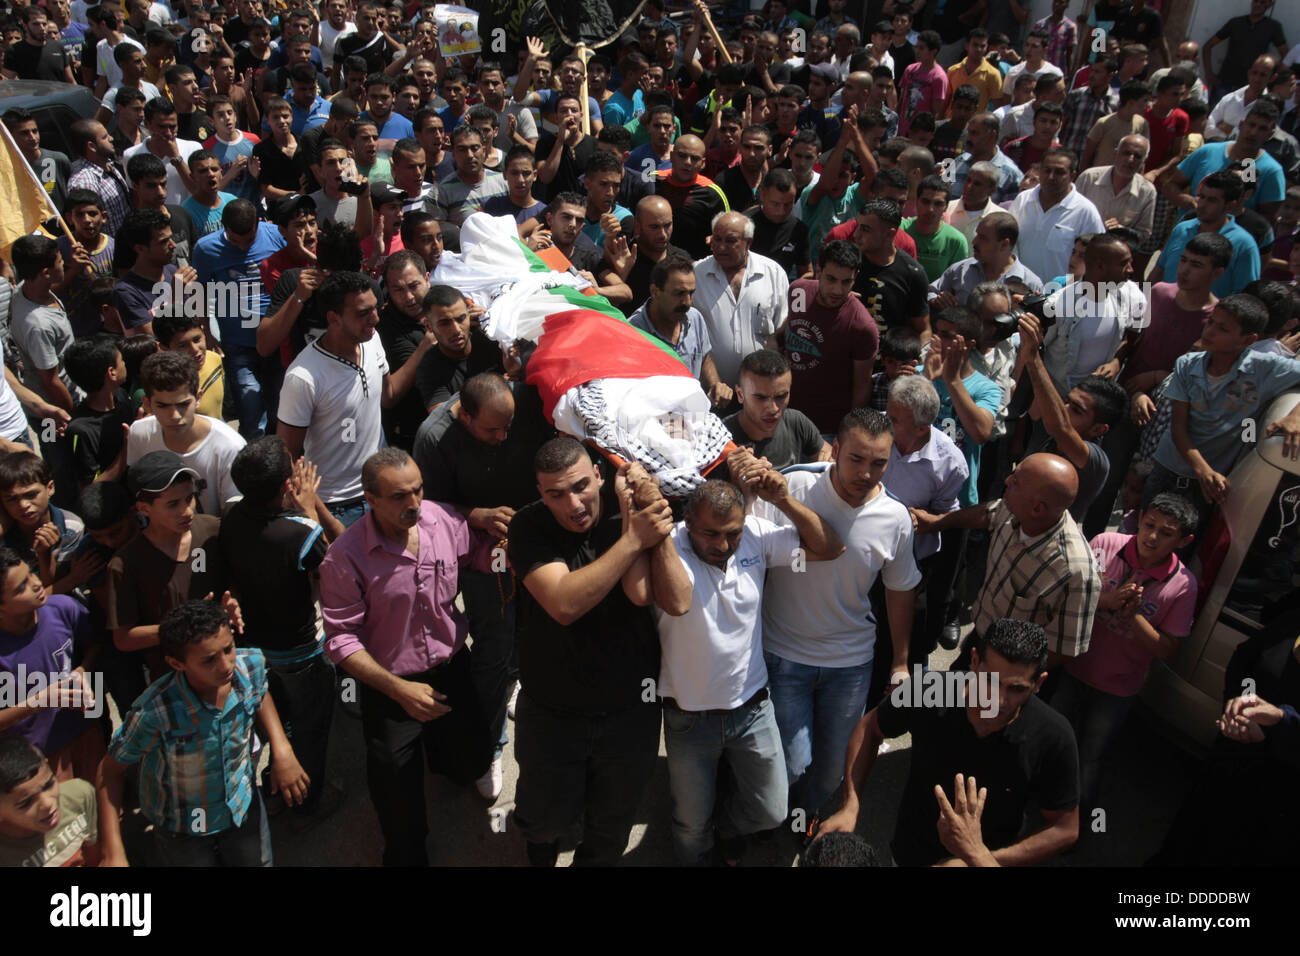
column 1172, row 331
column 1164, row 130
column 822, row 346
column 845, row 230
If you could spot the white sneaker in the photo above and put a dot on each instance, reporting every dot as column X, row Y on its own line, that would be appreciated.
column 489, row 785
column 514, row 696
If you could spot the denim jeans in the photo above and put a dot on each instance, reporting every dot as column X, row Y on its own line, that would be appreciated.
column 255, row 382
column 1097, row 719
column 816, row 710
column 580, row 772
column 348, row 512
column 248, row 844
column 748, row 740
column 490, row 609
column 304, row 698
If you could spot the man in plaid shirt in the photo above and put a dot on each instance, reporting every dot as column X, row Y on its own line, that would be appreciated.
column 1062, row 35
column 191, row 734
column 1040, row 566
column 1087, row 104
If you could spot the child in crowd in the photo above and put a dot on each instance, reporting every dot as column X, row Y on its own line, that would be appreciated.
column 53, row 536
column 519, row 202
column 84, row 212
column 900, row 353
column 95, row 439
column 1147, row 606
column 48, row 635
column 197, row 773
column 43, row 821
column 135, row 349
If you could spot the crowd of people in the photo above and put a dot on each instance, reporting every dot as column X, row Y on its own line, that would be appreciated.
column 983, row 302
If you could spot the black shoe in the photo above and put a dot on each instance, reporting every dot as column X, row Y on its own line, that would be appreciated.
column 950, row 637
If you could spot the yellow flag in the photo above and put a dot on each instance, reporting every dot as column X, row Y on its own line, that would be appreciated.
column 24, row 204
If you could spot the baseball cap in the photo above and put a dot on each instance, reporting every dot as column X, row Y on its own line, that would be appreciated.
column 290, row 205
column 825, row 71
column 381, row 193
column 157, row 471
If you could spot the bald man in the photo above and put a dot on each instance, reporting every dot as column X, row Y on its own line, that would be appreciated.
column 1040, row 566
column 695, row 199
column 653, row 228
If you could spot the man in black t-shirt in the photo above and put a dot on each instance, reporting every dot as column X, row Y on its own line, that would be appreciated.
column 1012, row 743
column 766, row 423
column 369, row 42
column 587, row 720
column 272, row 548
column 892, row 284
column 475, row 453
column 36, row 57
column 778, row 233
column 463, row 351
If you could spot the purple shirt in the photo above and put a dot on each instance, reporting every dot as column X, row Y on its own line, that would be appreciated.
column 376, row 596
column 62, row 624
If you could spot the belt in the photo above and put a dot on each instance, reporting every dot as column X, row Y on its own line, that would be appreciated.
column 758, row 698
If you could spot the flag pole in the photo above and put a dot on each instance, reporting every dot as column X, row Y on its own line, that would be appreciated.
column 582, row 54
column 717, row 38
column 13, row 147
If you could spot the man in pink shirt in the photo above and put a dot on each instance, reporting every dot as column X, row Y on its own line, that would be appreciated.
column 1147, row 604
column 388, row 591
column 924, row 87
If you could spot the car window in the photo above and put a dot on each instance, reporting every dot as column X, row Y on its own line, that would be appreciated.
column 54, row 121
column 1266, row 577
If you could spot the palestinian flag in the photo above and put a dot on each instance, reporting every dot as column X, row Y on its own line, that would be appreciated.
column 601, row 379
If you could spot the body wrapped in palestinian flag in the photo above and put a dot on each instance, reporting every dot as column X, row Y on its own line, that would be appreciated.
column 601, row 379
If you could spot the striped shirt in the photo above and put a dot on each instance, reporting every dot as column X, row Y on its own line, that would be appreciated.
column 1050, row 580
column 196, row 765
column 110, row 185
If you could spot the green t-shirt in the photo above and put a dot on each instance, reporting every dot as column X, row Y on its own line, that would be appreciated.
column 380, row 172
column 936, row 253
column 78, row 825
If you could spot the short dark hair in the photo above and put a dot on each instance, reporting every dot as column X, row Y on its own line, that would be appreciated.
column 886, row 210
column 23, row 468
column 31, row 255
column 930, row 39
column 840, row 850
column 442, row 296
column 602, row 161
column 240, row 217
column 1217, row 247
column 338, row 247
column 891, row 177
column 1054, row 151
column 336, row 288
column 1226, row 181
column 158, row 106
column 1265, row 109
column 188, row 624
column 900, row 343
column 966, row 92
column 869, row 420
column 84, row 197
column 924, row 122
column 670, row 265
column 932, row 184
column 20, row 760
column 613, row 134
column 261, row 468
column 481, row 389
column 1249, row 312
column 765, row 363
column 1020, row 642
column 558, row 454
column 1133, row 90
column 719, row 497
column 1109, row 400
column 966, row 322
column 840, row 252
column 104, row 503
column 88, row 360
column 482, row 112
column 169, row 372
column 1277, row 299
column 1178, row 508
column 145, row 165
column 1050, row 109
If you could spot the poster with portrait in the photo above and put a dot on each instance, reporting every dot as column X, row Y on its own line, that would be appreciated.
column 457, row 29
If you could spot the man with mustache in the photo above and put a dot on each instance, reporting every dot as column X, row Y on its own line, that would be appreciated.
column 388, row 597
column 669, row 316
column 333, row 391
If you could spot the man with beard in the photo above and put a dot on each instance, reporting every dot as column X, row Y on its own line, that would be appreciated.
column 475, row 453
column 463, row 348
column 565, row 217
column 670, row 317
column 401, row 330
column 388, row 591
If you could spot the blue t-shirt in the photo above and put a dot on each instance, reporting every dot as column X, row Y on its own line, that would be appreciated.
column 596, row 234
column 987, row 395
column 1270, row 181
column 504, row 206
column 244, row 186
column 206, row 220
column 236, row 298
column 619, row 109
column 1243, row 267
column 1215, row 413
column 643, row 162
column 396, row 126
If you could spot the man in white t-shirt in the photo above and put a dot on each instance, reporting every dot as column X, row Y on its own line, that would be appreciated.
column 161, row 123
column 334, row 389
column 712, row 678
column 819, row 626
column 334, row 27
column 209, row 446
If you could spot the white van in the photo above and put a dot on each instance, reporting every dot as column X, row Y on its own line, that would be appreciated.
column 1245, row 561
